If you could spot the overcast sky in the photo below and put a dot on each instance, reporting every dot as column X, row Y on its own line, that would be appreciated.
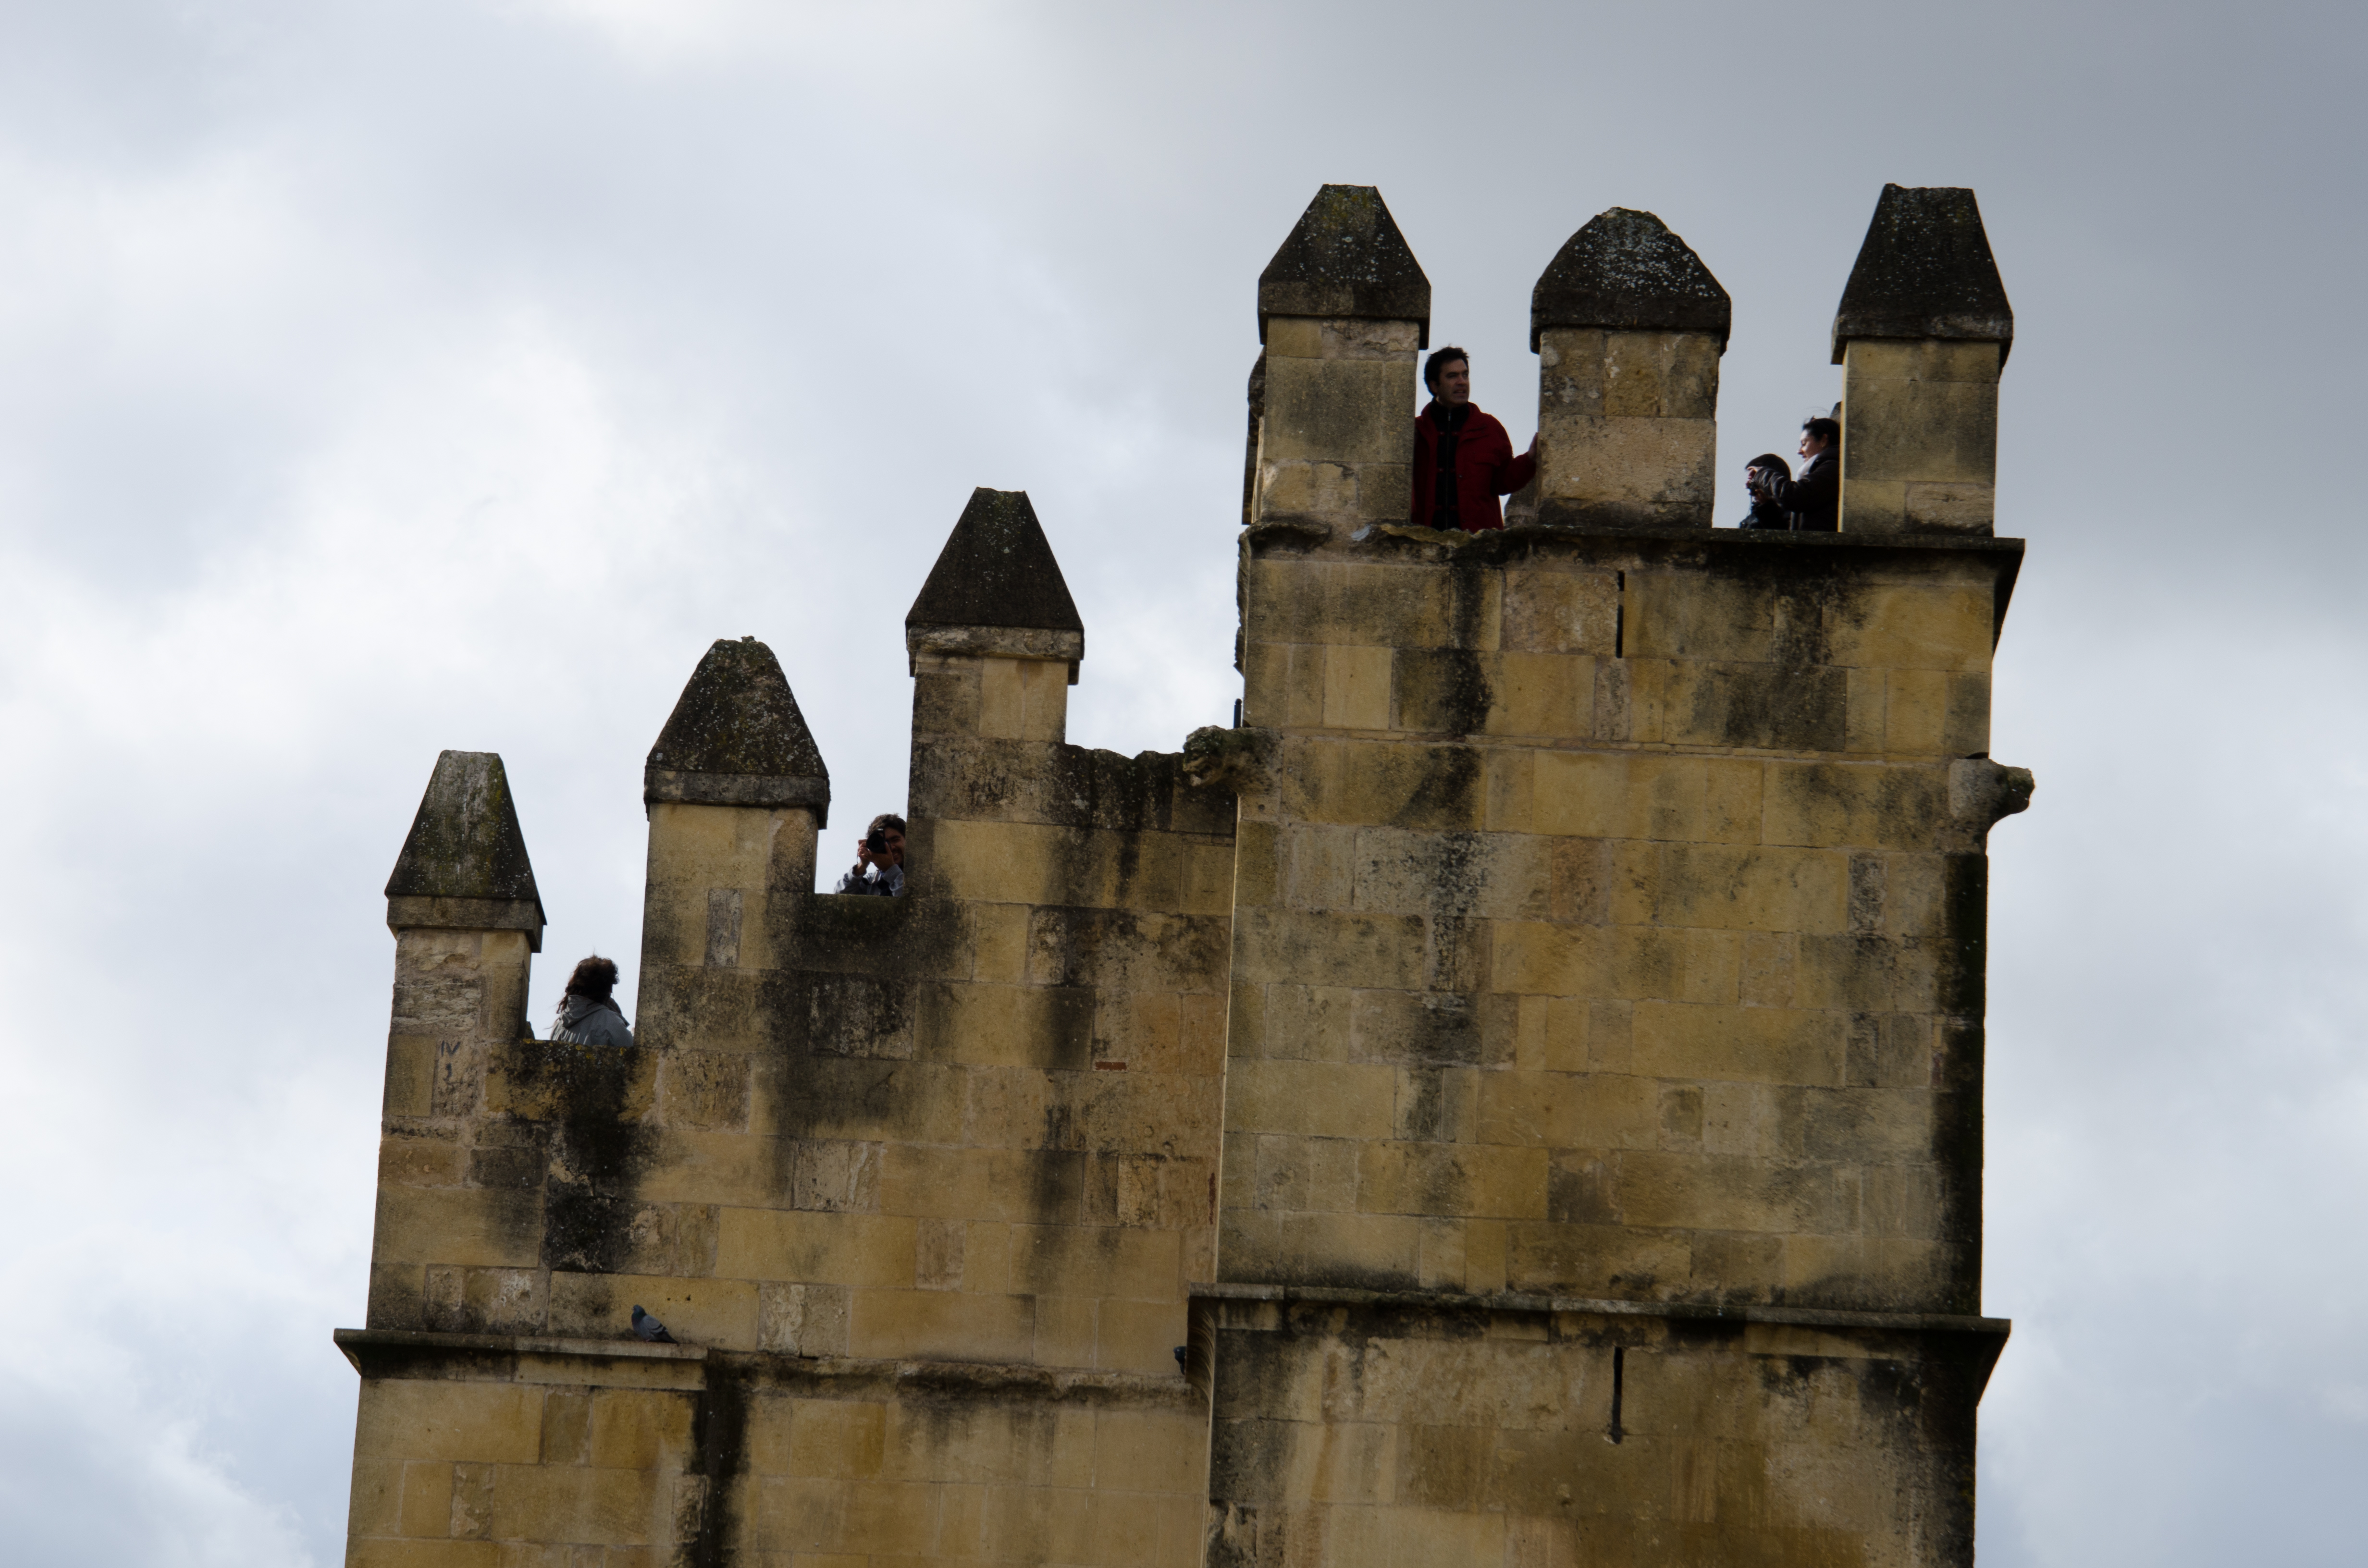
column 379, row 378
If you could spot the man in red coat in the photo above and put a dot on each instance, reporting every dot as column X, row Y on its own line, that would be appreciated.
column 1462, row 458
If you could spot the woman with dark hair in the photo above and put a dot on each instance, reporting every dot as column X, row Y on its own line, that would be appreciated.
column 586, row 1013
column 1756, row 474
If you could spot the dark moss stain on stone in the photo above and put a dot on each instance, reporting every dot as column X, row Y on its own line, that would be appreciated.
column 857, row 1015
column 1249, row 1459
column 1056, row 1172
column 1964, row 924
column 719, row 1455
column 597, row 1150
column 1454, row 685
column 1767, row 706
column 1580, row 1190
column 1446, row 790
column 1892, row 1394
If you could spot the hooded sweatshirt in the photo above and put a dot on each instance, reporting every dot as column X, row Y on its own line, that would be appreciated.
column 590, row 1021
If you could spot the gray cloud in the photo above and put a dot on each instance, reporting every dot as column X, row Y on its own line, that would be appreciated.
column 379, row 380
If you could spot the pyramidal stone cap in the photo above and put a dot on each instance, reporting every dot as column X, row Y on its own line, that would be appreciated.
column 1627, row 272
column 996, row 589
column 736, row 738
column 464, row 865
column 1345, row 260
column 1926, row 271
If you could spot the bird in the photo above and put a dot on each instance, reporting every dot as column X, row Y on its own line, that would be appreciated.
column 649, row 1328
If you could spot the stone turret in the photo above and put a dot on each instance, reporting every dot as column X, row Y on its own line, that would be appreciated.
column 466, row 917
column 464, row 906
column 737, row 793
column 1343, row 310
column 1628, row 327
column 1921, row 336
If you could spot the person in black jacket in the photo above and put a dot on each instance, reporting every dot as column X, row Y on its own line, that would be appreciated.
column 1765, row 513
column 1814, row 499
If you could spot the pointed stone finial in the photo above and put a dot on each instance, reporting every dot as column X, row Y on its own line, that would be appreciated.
column 996, row 589
column 1626, row 272
column 736, row 738
column 464, row 866
column 1345, row 260
column 1925, row 272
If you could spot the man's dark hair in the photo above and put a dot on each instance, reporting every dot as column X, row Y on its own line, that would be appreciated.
column 1438, row 361
column 1830, row 431
column 594, row 977
column 884, row 822
column 1770, row 459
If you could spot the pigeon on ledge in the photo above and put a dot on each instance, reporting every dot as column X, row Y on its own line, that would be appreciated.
column 649, row 1328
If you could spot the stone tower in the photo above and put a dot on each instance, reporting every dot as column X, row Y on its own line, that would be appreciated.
column 1514, row 1099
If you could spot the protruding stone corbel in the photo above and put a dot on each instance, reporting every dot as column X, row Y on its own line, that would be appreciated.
column 1983, row 793
column 1240, row 761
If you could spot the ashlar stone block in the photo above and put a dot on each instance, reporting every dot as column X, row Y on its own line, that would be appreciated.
column 1627, row 427
column 1919, row 448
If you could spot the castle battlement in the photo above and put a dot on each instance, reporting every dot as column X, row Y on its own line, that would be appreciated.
column 1514, row 1098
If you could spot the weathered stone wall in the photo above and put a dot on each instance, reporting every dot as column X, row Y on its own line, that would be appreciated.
column 1605, row 923
column 1607, row 976
column 602, row 1455
column 1440, row 1433
column 974, row 1126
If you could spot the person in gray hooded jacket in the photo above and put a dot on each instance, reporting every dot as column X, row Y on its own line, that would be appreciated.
column 586, row 1013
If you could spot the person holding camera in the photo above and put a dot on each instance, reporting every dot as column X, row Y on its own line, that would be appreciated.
column 879, row 859
column 1757, row 476
column 1813, row 503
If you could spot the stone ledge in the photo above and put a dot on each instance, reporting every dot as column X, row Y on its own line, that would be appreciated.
column 1048, row 645
column 358, row 1342
column 670, row 786
column 842, row 1373
column 1518, row 538
column 1732, row 548
column 1512, row 1302
column 429, row 912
